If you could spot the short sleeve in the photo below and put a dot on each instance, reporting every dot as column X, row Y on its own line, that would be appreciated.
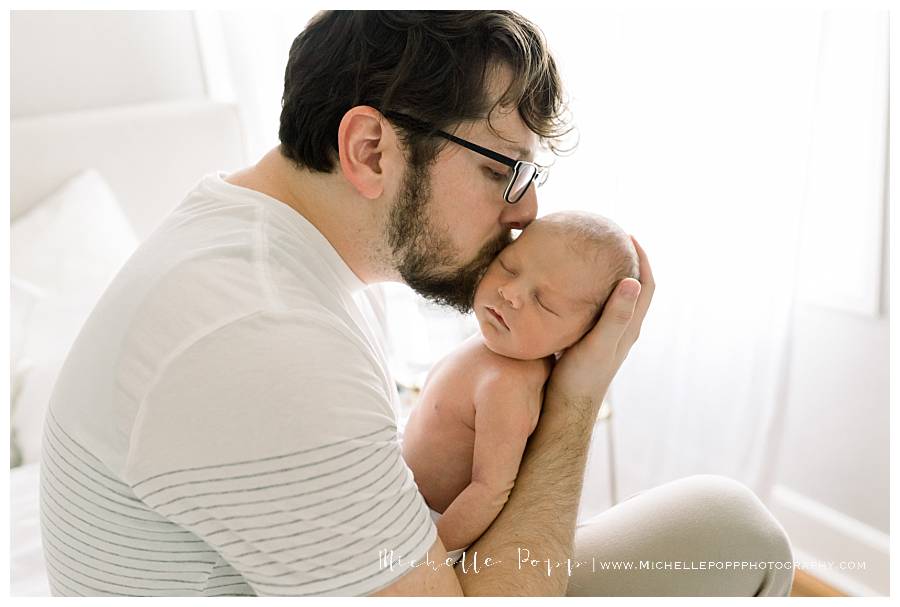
column 272, row 438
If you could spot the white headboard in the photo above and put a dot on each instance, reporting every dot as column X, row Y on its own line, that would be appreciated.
column 150, row 155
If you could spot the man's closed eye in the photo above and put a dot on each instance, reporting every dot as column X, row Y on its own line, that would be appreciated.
column 495, row 175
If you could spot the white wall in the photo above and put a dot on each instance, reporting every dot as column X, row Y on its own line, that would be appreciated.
column 832, row 483
column 839, row 390
column 832, row 480
column 74, row 60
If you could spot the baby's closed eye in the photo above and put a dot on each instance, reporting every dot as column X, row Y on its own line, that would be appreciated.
column 543, row 305
column 505, row 267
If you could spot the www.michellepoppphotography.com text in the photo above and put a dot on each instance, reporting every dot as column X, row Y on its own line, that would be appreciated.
column 473, row 563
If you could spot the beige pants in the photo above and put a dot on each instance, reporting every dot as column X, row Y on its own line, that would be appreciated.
column 698, row 521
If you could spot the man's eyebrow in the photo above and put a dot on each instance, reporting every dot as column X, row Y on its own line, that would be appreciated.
column 518, row 153
column 514, row 150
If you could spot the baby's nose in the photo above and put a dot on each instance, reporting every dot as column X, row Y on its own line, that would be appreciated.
column 510, row 296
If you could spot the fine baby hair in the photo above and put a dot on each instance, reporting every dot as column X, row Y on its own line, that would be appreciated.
column 601, row 242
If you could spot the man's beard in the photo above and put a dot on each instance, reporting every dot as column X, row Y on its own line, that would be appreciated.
column 421, row 250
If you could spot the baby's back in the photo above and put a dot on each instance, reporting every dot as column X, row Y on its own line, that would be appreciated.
column 440, row 435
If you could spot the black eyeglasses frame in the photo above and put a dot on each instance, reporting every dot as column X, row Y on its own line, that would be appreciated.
column 539, row 175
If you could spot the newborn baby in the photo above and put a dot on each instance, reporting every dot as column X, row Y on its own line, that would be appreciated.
column 480, row 403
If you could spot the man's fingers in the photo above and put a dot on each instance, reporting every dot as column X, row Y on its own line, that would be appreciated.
column 617, row 314
column 648, row 286
column 647, row 281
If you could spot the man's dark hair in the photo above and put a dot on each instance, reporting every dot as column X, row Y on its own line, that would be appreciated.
column 433, row 65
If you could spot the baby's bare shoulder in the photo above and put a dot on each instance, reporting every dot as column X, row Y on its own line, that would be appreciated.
column 513, row 388
column 503, row 373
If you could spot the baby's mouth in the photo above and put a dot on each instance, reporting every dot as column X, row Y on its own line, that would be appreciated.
column 497, row 316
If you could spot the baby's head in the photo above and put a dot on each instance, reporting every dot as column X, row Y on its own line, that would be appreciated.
column 544, row 291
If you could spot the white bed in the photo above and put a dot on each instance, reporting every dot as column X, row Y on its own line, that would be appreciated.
column 150, row 156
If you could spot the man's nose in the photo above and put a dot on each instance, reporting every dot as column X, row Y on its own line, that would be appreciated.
column 517, row 216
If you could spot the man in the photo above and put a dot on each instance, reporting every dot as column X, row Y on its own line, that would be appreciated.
column 226, row 423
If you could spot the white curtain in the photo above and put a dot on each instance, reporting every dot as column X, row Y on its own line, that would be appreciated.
column 696, row 136
column 244, row 54
column 745, row 150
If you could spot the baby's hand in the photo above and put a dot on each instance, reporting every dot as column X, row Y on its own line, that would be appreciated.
column 582, row 375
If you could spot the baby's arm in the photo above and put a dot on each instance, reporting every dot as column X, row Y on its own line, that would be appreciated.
column 507, row 406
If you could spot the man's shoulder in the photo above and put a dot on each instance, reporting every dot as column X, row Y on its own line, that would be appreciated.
column 263, row 381
column 313, row 331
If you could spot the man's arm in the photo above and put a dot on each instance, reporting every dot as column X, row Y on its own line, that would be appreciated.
column 542, row 509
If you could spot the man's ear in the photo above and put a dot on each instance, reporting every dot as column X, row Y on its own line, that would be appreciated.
column 367, row 148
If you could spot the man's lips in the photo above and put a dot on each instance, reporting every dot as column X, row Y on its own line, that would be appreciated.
column 497, row 315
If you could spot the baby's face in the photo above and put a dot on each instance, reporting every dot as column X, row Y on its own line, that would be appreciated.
column 535, row 298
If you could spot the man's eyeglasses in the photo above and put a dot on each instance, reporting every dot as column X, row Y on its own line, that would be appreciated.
column 523, row 172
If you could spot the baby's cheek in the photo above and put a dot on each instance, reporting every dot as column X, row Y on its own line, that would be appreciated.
column 476, row 299
column 546, row 338
column 483, row 285
column 530, row 341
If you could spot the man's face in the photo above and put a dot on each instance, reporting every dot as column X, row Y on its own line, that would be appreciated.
column 450, row 220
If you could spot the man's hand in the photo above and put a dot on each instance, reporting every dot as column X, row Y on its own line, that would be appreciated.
column 543, row 506
column 583, row 373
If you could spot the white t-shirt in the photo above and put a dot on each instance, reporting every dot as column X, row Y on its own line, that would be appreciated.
column 225, row 422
